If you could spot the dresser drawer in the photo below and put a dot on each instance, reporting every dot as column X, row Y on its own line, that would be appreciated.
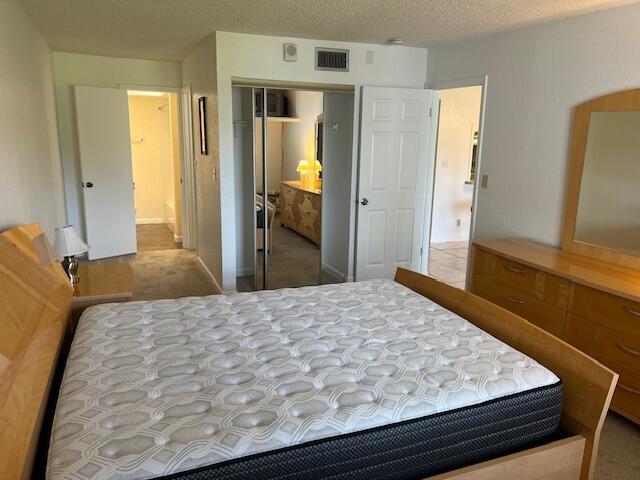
column 626, row 399
column 619, row 352
column 523, row 278
column 539, row 313
column 606, row 309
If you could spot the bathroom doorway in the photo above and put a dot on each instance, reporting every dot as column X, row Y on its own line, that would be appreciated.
column 455, row 183
column 154, row 123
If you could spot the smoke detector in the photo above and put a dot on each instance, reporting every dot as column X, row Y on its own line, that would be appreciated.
column 290, row 52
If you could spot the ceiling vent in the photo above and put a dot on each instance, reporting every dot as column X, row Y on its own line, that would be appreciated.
column 332, row 59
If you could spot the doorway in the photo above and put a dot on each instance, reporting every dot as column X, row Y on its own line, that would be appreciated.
column 455, row 181
column 290, row 196
column 154, row 124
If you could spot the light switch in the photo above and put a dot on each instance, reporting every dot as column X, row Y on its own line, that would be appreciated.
column 369, row 57
column 485, row 181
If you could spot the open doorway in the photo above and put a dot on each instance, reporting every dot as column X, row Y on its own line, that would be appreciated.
column 302, row 197
column 154, row 123
column 455, row 181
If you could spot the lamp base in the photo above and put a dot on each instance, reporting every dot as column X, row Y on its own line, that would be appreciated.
column 70, row 265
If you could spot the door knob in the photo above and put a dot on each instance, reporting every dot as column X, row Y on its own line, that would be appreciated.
column 88, row 184
column 364, row 201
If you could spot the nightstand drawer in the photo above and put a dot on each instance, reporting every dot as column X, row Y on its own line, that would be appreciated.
column 539, row 313
column 523, row 278
column 619, row 352
column 608, row 310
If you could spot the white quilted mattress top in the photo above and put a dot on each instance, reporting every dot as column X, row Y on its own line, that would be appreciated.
column 160, row 387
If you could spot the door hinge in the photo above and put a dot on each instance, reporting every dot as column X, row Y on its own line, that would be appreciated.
column 430, row 111
column 420, row 251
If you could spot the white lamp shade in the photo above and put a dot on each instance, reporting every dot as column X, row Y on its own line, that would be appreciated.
column 68, row 242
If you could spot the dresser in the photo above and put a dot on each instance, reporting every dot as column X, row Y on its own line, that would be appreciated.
column 301, row 209
column 592, row 304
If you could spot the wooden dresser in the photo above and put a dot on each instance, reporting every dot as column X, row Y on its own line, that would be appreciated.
column 301, row 209
column 590, row 303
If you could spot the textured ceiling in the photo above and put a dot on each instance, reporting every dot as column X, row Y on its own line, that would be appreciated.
column 169, row 29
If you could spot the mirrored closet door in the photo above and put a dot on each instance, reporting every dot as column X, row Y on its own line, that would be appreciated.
column 283, row 239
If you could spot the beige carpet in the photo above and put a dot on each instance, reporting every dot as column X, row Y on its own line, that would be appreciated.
column 155, row 236
column 619, row 454
column 294, row 261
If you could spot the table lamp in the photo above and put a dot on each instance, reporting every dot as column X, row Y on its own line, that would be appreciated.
column 304, row 169
column 68, row 244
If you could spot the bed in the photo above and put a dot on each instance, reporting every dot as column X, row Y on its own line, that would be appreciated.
column 380, row 379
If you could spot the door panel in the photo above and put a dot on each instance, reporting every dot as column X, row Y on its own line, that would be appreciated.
column 404, row 234
column 105, row 158
column 395, row 166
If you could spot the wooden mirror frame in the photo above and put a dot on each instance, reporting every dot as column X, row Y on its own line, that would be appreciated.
column 624, row 101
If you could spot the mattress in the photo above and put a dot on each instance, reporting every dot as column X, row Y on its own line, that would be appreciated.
column 356, row 380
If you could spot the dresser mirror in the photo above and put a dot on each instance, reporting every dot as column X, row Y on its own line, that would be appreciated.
column 603, row 197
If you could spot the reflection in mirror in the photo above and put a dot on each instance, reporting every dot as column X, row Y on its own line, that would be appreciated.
column 609, row 203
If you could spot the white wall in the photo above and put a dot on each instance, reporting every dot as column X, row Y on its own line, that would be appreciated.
column 31, row 188
column 452, row 197
column 89, row 70
column 336, row 186
column 299, row 138
column 245, row 199
column 260, row 57
column 199, row 70
column 274, row 155
column 536, row 75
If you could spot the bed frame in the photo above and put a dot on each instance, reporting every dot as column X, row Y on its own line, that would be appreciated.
column 34, row 326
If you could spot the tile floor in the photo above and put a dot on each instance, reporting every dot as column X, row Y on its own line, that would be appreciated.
column 448, row 262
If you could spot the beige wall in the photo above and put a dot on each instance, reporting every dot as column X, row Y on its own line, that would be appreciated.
column 199, row 71
column 452, row 199
column 152, row 159
column 91, row 70
column 30, row 180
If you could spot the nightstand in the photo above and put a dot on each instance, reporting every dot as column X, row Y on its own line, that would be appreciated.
column 101, row 283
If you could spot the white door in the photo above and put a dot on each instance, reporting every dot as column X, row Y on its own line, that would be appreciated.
column 396, row 170
column 105, row 158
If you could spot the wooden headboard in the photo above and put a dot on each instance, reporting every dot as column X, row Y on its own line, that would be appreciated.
column 34, row 310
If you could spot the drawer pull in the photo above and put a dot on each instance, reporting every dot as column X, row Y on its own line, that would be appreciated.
column 516, row 269
column 513, row 299
column 623, row 347
column 631, row 311
column 629, row 389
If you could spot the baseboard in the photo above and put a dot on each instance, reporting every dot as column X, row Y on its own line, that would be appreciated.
column 208, row 274
column 333, row 274
column 244, row 272
column 145, row 221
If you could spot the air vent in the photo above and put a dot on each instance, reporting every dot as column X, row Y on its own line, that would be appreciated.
column 332, row 59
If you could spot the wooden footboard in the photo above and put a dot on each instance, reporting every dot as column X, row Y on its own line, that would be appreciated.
column 588, row 385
